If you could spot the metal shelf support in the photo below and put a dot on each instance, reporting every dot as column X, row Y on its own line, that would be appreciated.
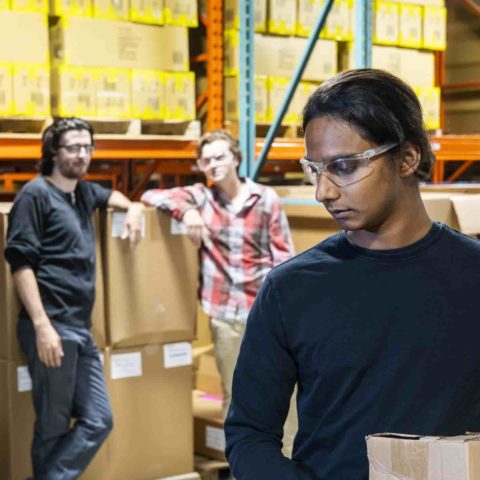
column 363, row 33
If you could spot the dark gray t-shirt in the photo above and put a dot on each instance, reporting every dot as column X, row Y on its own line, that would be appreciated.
column 52, row 232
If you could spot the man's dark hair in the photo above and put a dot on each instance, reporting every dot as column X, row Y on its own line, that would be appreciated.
column 381, row 107
column 219, row 134
column 52, row 136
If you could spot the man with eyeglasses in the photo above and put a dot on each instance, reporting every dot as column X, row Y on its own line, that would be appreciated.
column 51, row 251
column 376, row 325
column 242, row 232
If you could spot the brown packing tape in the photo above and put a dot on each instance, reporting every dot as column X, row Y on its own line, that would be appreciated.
column 474, row 460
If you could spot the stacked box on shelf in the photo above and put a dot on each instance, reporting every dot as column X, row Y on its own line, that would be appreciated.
column 148, row 92
column 282, row 17
column 181, row 12
column 385, row 23
column 6, row 89
column 147, row 11
column 338, row 25
column 111, row 9
column 410, row 26
column 434, row 28
column 71, row 8
column 179, row 96
column 32, row 6
column 231, row 15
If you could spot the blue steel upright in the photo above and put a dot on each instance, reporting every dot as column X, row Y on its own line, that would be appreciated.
column 363, row 33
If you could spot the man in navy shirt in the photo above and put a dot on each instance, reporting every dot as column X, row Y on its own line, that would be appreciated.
column 377, row 325
column 51, row 251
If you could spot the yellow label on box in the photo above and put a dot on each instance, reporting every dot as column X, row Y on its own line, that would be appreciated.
column 434, row 28
column 181, row 12
column 410, row 17
column 111, row 9
column 6, row 89
column 71, row 8
column 148, row 96
column 147, row 11
column 385, row 24
column 33, row 6
column 179, row 96
column 113, row 93
column 31, row 90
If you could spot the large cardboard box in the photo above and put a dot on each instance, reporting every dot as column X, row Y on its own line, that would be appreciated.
column 24, row 37
column 179, row 96
column 151, row 293
column 231, row 14
column 410, row 26
column 150, row 392
column 16, row 421
column 279, row 56
column 6, row 89
column 424, row 458
column 32, row 6
column 430, row 99
column 90, row 42
column 181, row 12
column 282, row 17
column 73, row 91
column 10, row 305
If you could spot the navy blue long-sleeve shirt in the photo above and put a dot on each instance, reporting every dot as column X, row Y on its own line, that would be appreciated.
column 378, row 341
column 52, row 232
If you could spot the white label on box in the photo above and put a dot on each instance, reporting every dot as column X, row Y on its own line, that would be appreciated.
column 118, row 220
column 215, row 438
column 126, row 365
column 177, row 354
column 24, row 381
column 177, row 228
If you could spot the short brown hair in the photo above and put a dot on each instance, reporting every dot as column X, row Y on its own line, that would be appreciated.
column 219, row 134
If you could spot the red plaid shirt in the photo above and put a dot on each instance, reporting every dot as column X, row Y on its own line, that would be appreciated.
column 245, row 243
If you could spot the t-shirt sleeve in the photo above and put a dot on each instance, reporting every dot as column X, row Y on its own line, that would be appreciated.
column 99, row 195
column 263, row 383
column 25, row 231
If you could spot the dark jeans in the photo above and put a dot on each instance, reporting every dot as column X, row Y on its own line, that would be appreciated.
column 60, row 450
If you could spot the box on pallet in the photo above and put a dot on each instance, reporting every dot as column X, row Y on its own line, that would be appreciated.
column 385, row 23
column 151, row 297
column 148, row 94
column 419, row 457
column 71, row 8
column 231, row 101
column 113, row 93
column 181, row 12
column 410, row 26
column 73, row 91
column 231, row 15
column 32, row 6
column 31, row 90
column 111, row 9
column 282, row 17
column 24, row 37
column 338, row 25
column 147, row 11
column 6, row 89
column 434, row 28
column 179, row 96
column 109, row 43
column 431, row 102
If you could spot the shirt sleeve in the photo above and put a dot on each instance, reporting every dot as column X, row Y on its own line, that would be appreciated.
column 264, row 379
column 176, row 200
column 100, row 195
column 25, row 232
column 281, row 244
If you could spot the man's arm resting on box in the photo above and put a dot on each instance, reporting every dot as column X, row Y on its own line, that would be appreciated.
column 49, row 344
column 264, row 379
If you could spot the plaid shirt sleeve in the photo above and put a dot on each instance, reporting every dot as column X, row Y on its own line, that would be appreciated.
column 176, row 200
column 281, row 244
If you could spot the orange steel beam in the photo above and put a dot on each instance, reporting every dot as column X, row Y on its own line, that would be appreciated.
column 215, row 64
column 465, row 166
column 201, row 100
column 199, row 58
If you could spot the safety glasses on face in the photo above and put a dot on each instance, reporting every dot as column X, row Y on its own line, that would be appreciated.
column 347, row 170
column 77, row 147
column 206, row 162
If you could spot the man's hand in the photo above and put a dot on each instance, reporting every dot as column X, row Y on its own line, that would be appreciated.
column 49, row 345
column 196, row 229
column 132, row 227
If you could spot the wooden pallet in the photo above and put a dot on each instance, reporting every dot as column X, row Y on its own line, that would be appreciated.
column 210, row 469
column 31, row 125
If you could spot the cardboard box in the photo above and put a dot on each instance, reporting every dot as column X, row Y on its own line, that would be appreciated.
column 231, row 15
column 147, row 11
column 279, row 56
column 24, row 37
column 73, row 91
column 10, row 304
column 231, row 99
column 410, row 28
column 6, row 89
column 71, row 8
column 424, row 458
column 112, row 88
column 339, row 20
column 282, row 17
column 151, row 294
column 16, row 421
column 111, row 9
column 181, row 12
column 150, row 392
column 4, row 5
column 32, row 6
column 208, row 377
column 31, row 90
column 430, row 99
column 385, row 23
column 88, row 42
column 208, row 425
column 434, row 28
column 148, row 95
column 179, row 96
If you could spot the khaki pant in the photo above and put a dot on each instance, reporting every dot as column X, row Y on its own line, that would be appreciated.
column 227, row 338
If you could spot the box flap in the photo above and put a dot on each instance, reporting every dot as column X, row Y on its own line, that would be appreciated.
column 467, row 209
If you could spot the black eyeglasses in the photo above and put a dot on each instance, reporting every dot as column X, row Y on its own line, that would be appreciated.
column 77, row 147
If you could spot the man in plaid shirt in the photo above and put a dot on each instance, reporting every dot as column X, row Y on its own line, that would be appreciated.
column 242, row 232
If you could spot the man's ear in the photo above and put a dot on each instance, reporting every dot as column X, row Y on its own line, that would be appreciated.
column 409, row 160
